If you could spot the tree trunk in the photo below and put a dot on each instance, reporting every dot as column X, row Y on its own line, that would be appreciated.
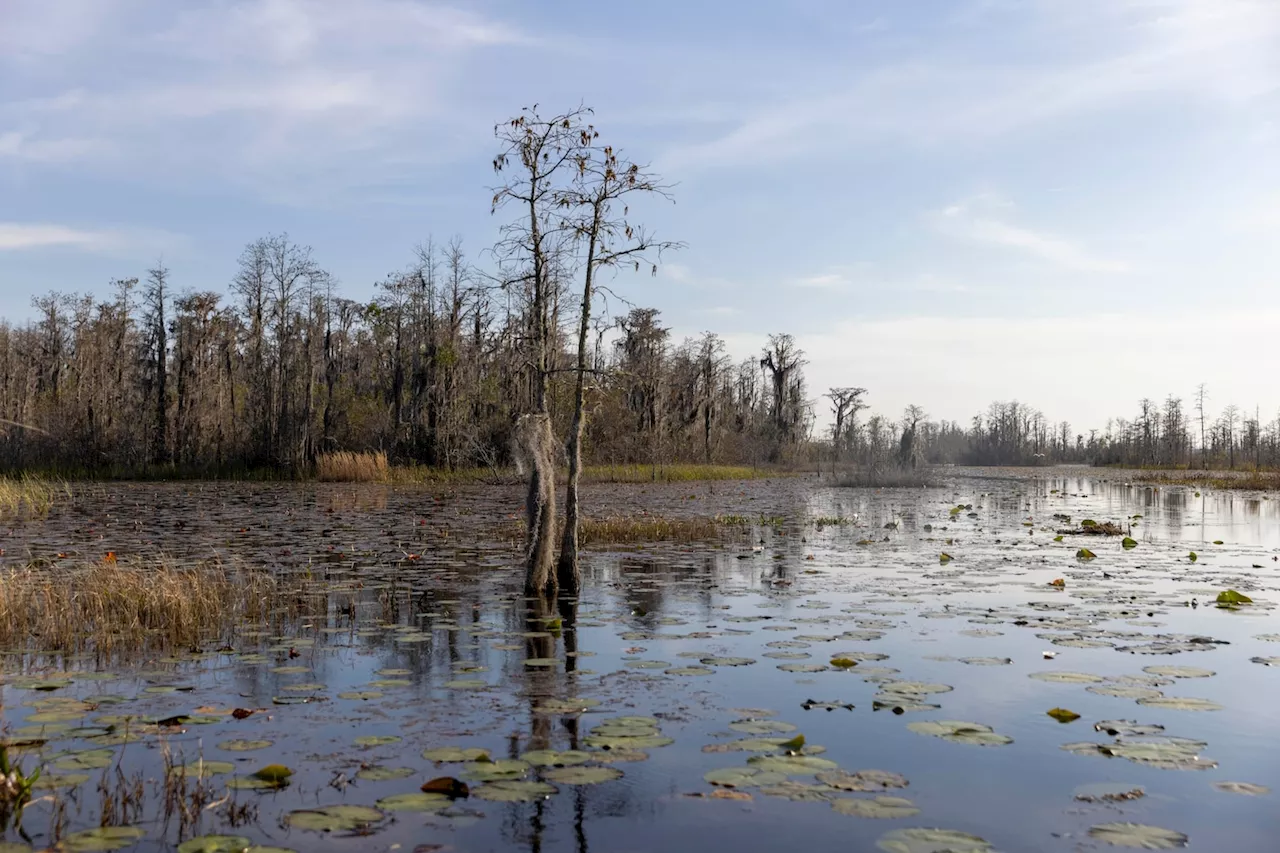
column 568, row 572
column 535, row 441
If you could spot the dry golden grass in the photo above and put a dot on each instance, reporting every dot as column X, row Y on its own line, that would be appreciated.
column 30, row 494
column 115, row 607
column 348, row 467
column 616, row 530
column 1255, row 481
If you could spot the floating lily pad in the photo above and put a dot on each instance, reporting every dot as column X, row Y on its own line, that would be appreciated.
column 1138, row 835
column 455, row 754
column 566, row 706
column 582, row 775
column 862, row 780
column 334, row 818
column 414, row 802
column 920, row 840
column 879, row 807
column 692, row 671
column 1067, row 677
column 514, row 791
column 277, row 774
column 744, row 777
column 57, row 781
column 727, row 661
column 792, row 765
column 1121, row 691
column 377, row 740
column 102, row 839
column 761, row 727
column 362, row 695
column 551, row 758
column 917, row 688
column 803, row 667
column 1181, row 703
column 492, row 771
column 1247, row 788
column 89, row 759
column 214, row 844
column 960, row 732
column 466, row 684
column 384, row 774
column 1179, row 671
column 1063, row 715
column 204, row 769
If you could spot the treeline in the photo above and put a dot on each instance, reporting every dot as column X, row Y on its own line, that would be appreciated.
column 434, row 371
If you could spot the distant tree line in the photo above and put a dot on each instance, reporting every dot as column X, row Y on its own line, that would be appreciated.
column 433, row 371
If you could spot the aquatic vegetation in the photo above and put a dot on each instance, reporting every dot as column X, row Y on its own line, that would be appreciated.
column 30, row 495
column 349, row 467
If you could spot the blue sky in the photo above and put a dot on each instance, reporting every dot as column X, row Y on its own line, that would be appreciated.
column 1071, row 202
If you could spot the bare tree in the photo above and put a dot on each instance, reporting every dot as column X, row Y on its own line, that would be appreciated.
column 605, row 181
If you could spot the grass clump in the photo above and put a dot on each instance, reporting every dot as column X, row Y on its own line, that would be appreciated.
column 114, row 606
column 1245, row 481
column 348, row 467
column 673, row 473
column 28, row 493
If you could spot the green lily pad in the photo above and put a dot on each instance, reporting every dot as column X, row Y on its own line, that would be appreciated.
column 960, row 732
column 101, row 839
column 691, row 671
column 414, row 802
column 1179, row 671
column 915, row 688
column 466, row 684
column 1181, row 703
column 334, row 818
column 277, row 774
column 921, row 840
column 58, row 781
column 89, row 759
column 253, row 783
column 551, row 758
column 862, row 780
column 1230, row 596
column 455, row 754
column 1246, row 788
column 792, row 765
column 582, row 775
column 1084, row 554
column 1128, row 543
column 384, row 774
column 514, row 791
column 762, row 727
column 363, row 695
column 1067, row 677
column 205, row 769
column 377, row 740
column 214, row 844
column 879, row 807
column 1138, row 835
column 727, row 661
column 744, row 777
column 566, row 706
column 503, row 769
column 1063, row 715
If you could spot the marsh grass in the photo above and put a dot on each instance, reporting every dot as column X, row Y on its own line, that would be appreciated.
column 348, row 467
column 30, row 495
column 618, row 529
column 674, row 473
column 1252, row 481
column 116, row 607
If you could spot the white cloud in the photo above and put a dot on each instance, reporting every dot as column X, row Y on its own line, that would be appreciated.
column 962, row 220
column 824, row 281
column 20, row 235
column 1220, row 52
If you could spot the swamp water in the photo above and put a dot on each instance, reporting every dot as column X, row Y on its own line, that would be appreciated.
column 660, row 712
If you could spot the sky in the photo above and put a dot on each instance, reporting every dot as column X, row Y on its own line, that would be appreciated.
column 1074, row 203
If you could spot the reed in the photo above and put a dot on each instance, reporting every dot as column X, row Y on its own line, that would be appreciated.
column 349, row 467
column 31, row 495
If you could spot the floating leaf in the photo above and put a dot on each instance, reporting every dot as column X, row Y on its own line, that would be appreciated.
column 277, row 774
column 504, row 769
column 862, row 780
column 792, row 765
column 1230, row 596
column 1179, row 671
column 376, row 740
column 761, row 727
column 514, row 791
column 415, row 802
column 744, row 777
column 1128, row 543
column 102, row 839
column 920, row 840
column 1192, row 556
column 582, row 775
column 243, row 745
column 879, row 807
column 1067, row 677
column 960, row 732
column 727, row 661
column 1062, row 715
column 1138, row 835
column 214, row 844
column 1181, row 703
column 334, row 818
column 944, row 558
column 384, row 774
column 843, row 662
column 455, row 754
column 1085, row 554
column 1246, row 788
column 1108, row 792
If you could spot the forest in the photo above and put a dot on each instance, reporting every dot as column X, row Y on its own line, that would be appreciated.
column 436, row 370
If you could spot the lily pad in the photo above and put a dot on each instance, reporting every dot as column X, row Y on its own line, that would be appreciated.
column 276, row 774
column 89, row 759
column 1067, row 677
column 214, row 844
column 1181, row 703
column 414, row 802
column 455, row 754
column 862, row 780
column 551, row 758
column 334, row 818
column 238, row 745
column 104, row 838
column 504, row 769
column 1063, row 715
column 791, row 765
column 1138, row 835
column 727, row 661
column 960, row 732
column 879, row 807
column 514, row 791
column 744, row 777
column 384, row 774
column 376, row 740
column 762, row 727
column 1179, row 671
column 921, row 840
column 1247, row 788
column 582, row 775
column 1108, row 792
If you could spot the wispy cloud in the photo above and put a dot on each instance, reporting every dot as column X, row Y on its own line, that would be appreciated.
column 22, row 235
column 962, row 220
column 824, row 281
